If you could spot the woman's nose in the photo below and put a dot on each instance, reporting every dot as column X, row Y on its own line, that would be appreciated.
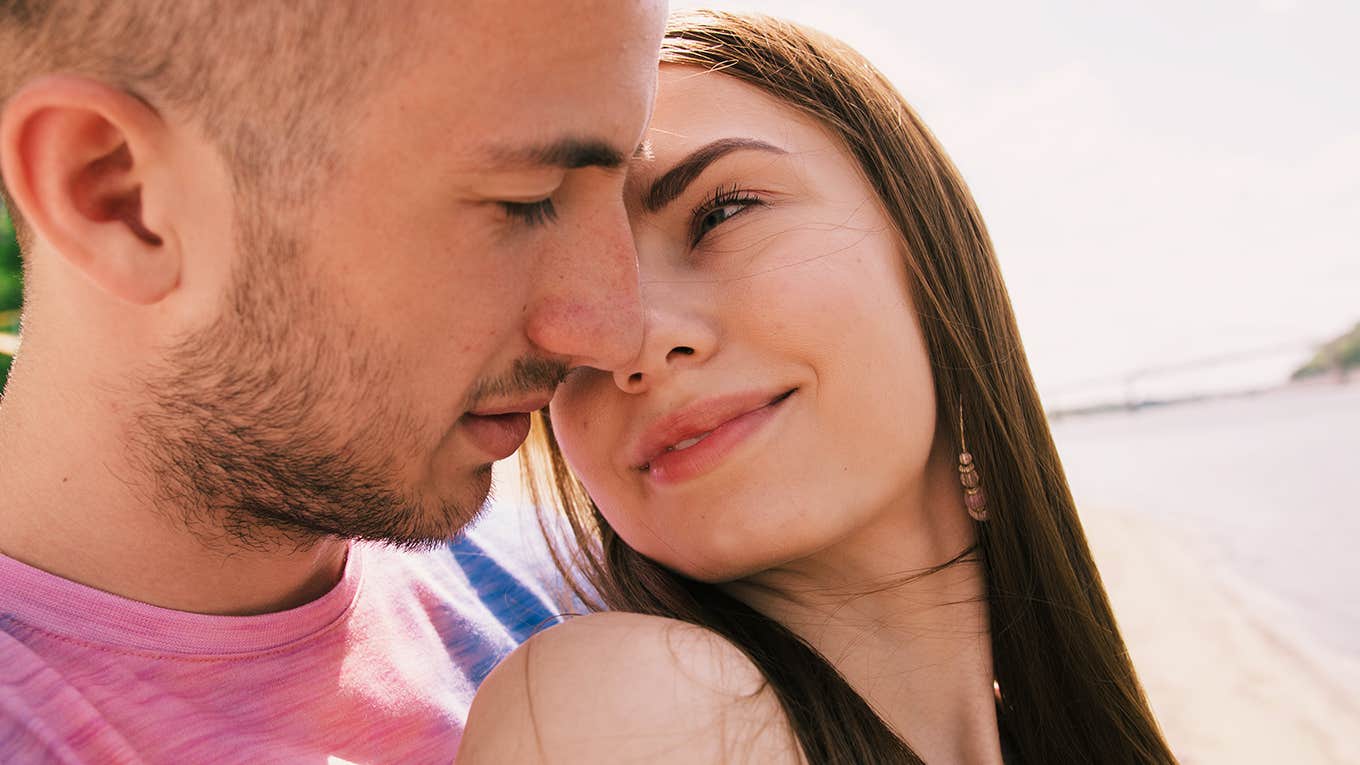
column 679, row 333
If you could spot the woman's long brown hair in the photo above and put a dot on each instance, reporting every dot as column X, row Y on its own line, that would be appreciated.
column 1070, row 692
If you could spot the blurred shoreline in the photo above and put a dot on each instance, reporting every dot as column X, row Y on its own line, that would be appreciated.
column 1342, row 378
column 1230, row 674
column 1265, row 485
column 1224, row 529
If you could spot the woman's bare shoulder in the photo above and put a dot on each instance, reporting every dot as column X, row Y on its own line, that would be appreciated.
column 628, row 646
column 620, row 687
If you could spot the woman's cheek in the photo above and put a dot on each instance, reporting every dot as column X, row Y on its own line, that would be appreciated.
column 573, row 422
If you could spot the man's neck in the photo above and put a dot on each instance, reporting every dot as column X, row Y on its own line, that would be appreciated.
column 75, row 505
column 918, row 649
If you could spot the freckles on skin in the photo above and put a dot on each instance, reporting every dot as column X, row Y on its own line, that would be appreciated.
column 554, row 316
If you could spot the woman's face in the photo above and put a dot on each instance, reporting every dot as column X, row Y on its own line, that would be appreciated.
column 782, row 401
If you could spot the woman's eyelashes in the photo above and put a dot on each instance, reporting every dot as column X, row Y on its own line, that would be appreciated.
column 531, row 214
column 724, row 204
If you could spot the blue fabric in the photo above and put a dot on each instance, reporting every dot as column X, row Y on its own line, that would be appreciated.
column 513, row 598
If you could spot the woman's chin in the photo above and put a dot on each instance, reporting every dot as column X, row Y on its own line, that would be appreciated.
column 732, row 557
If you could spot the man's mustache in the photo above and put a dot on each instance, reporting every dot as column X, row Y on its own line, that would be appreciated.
column 528, row 375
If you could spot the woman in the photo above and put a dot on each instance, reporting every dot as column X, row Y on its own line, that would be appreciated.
column 823, row 501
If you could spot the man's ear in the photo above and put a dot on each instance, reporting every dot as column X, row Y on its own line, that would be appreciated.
column 81, row 159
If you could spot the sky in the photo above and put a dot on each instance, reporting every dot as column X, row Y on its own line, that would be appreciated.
column 1166, row 183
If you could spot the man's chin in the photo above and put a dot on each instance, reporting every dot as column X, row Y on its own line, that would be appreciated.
column 461, row 501
column 470, row 499
column 381, row 517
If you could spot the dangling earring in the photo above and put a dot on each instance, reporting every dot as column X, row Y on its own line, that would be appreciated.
column 973, row 498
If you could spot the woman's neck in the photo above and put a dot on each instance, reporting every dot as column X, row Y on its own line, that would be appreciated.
column 910, row 639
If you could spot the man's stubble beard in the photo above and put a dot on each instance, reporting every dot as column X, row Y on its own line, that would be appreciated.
column 274, row 427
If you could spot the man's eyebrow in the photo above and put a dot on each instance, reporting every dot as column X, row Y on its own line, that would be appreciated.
column 673, row 183
column 566, row 153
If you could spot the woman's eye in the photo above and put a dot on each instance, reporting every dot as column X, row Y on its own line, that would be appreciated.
column 722, row 206
column 716, row 217
column 531, row 213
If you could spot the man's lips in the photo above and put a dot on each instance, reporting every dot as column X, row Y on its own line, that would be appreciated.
column 498, row 428
column 688, row 425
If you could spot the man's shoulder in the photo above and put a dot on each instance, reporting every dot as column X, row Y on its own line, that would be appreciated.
column 613, row 683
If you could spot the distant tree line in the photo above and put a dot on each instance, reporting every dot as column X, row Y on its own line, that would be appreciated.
column 1338, row 356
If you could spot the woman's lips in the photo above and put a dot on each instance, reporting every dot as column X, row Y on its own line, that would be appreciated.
column 697, row 454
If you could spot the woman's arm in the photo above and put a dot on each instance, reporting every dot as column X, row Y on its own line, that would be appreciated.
column 616, row 688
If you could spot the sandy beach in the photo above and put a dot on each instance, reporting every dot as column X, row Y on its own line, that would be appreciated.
column 1231, row 678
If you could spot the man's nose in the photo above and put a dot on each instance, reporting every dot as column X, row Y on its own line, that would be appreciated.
column 587, row 309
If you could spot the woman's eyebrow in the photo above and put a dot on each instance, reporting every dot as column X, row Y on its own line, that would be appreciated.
column 673, row 183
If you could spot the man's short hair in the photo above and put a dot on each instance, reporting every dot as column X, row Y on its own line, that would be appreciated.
column 268, row 82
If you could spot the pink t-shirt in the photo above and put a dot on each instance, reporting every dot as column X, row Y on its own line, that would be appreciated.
column 380, row 669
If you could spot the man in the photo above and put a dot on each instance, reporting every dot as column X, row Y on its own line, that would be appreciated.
column 295, row 273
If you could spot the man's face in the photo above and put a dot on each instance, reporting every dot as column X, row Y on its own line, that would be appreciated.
column 367, row 366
